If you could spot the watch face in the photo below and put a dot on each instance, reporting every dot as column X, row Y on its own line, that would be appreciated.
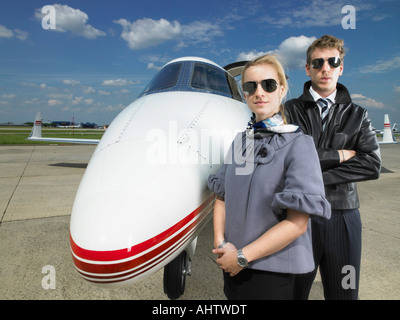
column 241, row 259
column 242, row 262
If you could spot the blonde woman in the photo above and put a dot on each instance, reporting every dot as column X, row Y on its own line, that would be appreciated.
column 261, row 217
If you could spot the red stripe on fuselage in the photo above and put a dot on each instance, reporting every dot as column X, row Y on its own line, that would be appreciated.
column 117, row 255
column 132, row 273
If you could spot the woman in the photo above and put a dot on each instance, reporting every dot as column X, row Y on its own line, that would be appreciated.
column 261, row 216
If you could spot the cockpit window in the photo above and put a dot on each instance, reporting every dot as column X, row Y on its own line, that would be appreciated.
column 210, row 78
column 166, row 78
column 193, row 76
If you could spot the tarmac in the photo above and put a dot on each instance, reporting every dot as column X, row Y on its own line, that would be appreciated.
column 37, row 190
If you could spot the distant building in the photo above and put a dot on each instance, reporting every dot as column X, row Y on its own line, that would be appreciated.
column 61, row 123
column 88, row 125
column 67, row 124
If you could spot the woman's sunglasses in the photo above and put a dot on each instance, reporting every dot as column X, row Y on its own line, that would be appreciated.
column 268, row 85
column 334, row 62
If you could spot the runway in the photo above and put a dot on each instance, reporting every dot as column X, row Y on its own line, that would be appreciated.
column 37, row 190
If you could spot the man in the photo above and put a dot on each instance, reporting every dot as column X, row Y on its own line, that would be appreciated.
column 349, row 152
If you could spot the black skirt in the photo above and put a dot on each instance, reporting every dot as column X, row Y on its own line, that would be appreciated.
column 251, row 284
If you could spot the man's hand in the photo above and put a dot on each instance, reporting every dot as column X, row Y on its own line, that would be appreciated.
column 345, row 155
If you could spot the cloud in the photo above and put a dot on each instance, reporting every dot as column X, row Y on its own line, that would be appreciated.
column 117, row 82
column 77, row 100
column 382, row 66
column 72, row 20
column 112, row 108
column 54, row 102
column 20, row 34
column 145, row 32
column 71, row 82
column 7, row 33
column 88, row 101
column 152, row 66
column 318, row 13
column 89, row 90
column 8, row 96
column 200, row 31
column 291, row 52
column 366, row 102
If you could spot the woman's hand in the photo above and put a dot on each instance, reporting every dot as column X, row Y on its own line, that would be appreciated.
column 227, row 259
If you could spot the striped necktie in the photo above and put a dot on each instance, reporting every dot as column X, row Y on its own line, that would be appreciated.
column 323, row 103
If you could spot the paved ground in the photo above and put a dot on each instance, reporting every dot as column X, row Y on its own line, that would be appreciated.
column 37, row 189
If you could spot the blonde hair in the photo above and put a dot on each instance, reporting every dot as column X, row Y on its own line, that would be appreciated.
column 274, row 62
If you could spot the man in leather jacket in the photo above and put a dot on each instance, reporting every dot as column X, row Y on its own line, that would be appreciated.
column 349, row 152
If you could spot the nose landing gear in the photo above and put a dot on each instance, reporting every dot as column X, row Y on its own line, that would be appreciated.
column 175, row 275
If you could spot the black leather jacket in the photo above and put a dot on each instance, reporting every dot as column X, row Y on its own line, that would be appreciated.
column 348, row 128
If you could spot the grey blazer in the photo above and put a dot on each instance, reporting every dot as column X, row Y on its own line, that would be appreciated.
column 264, row 175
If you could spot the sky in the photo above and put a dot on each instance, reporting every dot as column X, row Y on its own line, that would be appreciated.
column 97, row 56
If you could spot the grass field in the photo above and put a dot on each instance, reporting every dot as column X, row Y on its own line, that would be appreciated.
column 18, row 135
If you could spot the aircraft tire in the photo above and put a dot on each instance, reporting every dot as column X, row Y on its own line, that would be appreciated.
column 175, row 276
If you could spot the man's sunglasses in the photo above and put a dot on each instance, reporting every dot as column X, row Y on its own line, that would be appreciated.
column 268, row 85
column 334, row 62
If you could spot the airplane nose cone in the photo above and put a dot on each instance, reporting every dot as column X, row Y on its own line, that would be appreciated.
column 109, row 243
column 112, row 219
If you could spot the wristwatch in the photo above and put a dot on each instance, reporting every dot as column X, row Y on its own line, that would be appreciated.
column 241, row 259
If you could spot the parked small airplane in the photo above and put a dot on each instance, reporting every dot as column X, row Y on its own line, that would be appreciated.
column 36, row 134
column 143, row 198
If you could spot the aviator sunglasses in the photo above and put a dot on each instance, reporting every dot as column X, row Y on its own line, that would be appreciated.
column 334, row 62
column 268, row 85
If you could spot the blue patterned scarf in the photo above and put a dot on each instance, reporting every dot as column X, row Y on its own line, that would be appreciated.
column 273, row 124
